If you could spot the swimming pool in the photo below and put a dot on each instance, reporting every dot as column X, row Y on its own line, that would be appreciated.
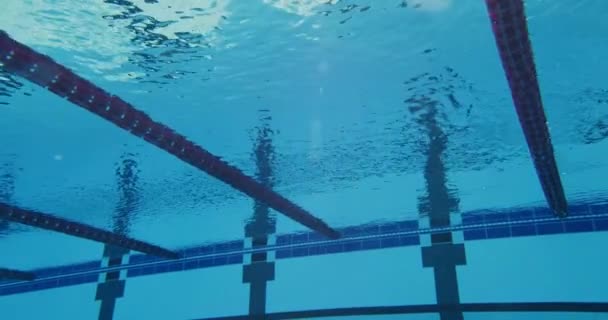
column 271, row 159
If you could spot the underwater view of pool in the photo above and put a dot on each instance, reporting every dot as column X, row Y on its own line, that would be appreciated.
column 303, row 159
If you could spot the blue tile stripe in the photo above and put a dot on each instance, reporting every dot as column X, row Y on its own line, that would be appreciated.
column 476, row 225
column 536, row 221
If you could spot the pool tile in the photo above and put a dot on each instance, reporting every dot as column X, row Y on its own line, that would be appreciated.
column 192, row 264
column 315, row 236
column 353, row 246
column 205, row 262
column 543, row 212
column 319, row 250
column 92, row 277
column 17, row 289
column 335, row 248
column 315, row 250
column 6, row 282
column 599, row 208
column 390, row 242
column 67, row 281
column 235, row 259
column 498, row 232
column 134, row 272
column 578, row 210
column 161, row 268
column 190, row 252
column 351, row 232
column 223, row 247
column 368, row 244
column 409, row 240
column 389, row 228
column 220, row 261
column 45, row 284
column 601, row 224
column 47, row 272
column 578, row 225
column 300, row 252
column 299, row 238
column 92, row 265
column 237, row 245
column 147, row 270
column 137, row 258
column 408, row 225
column 496, row 218
column 284, row 239
column 88, row 278
column 206, row 250
column 550, row 228
column 370, row 230
column 524, row 214
column 472, row 219
column 474, row 234
column 283, row 253
column 176, row 266
column 480, row 216
column 523, row 230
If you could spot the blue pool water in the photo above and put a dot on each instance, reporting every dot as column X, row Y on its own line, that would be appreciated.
column 390, row 120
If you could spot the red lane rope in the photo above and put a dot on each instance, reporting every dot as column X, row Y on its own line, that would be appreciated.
column 511, row 34
column 49, row 222
column 43, row 71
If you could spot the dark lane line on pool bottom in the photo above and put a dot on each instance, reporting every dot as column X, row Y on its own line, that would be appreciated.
column 486, row 307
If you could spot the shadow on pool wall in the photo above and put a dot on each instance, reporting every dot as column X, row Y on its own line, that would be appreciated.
column 7, row 187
